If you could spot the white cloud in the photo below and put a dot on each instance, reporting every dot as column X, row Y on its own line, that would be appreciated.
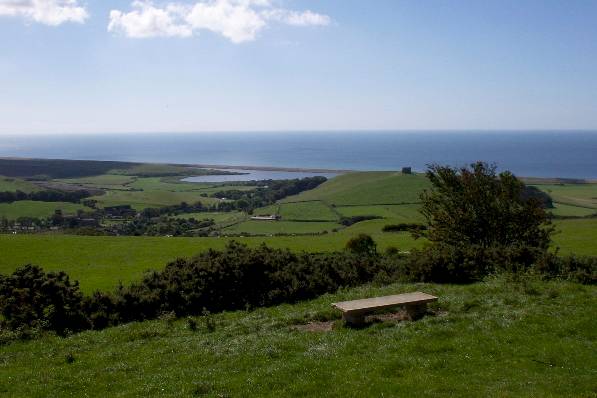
column 149, row 21
column 237, row 20
column 305, row 18
column 48, row 12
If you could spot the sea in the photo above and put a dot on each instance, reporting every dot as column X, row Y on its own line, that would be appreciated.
column 564, row 154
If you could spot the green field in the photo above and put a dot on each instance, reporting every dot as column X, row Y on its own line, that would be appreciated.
column 561, row 209
column 498, row 338
column 583, row 195
column 280, row 227
column 399, row 213
column 15, row 184
column 107, row 181
column 29, row 208
column 578, row 236
column 143, row 199
column 100, row 262
column 305, row 211
column 367, row 188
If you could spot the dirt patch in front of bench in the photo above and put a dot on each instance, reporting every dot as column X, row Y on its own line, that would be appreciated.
column 326, row 326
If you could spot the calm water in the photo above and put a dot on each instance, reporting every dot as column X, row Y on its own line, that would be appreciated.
column 256, row 175
column 541, row 154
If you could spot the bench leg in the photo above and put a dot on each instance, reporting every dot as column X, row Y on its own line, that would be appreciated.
column 353, row 319
column 416, row 311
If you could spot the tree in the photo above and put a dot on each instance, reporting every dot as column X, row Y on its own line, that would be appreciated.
column 475, row 206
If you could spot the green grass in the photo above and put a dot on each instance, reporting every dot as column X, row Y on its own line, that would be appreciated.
column 100, row 262
column 577, row 236
column 399, row 213
column 107, row 181
column 367, row 188
column 584, row 195
column 15, row 184
column 29, row 208
column 217, row 217
column 277, row 227
column 144, row 199
column 307, row 211
column 561, row 209
column 498, row 338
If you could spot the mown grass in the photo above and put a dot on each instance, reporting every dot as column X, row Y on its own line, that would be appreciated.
column 14, row 184
column 497, row 338
column 29, row 208
column 307, row 211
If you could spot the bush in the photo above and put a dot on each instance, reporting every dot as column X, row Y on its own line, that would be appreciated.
column 466, row 264
column 238, row 278
column 362, row 244
column 32, row 298
column 573, row 268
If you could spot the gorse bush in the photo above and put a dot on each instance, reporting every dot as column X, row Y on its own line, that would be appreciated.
column 50, row 301
column 239, row 277
column 236, row 278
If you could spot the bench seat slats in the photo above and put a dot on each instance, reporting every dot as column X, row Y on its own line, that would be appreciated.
column 384, row 302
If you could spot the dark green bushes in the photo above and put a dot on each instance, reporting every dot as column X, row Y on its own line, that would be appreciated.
column 236, row 278
column 239, row 278
column 49, row 301
column 242, row 278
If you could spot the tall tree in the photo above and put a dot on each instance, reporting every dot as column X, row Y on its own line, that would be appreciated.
column 476, row 206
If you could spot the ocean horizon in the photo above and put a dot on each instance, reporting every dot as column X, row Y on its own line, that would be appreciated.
column 564, row 154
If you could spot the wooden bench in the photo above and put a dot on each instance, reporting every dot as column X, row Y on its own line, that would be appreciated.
column 353, row 312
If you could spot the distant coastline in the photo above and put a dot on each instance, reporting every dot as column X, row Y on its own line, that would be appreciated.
column 564, row 154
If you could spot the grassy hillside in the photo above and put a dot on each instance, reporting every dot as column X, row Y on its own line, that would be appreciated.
column 366, row 188
column 15, row 184
column 101, row 262
column 499, row 338
column 302, row 211
column 28, row 208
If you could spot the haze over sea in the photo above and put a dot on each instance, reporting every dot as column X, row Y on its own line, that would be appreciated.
column 571, row 154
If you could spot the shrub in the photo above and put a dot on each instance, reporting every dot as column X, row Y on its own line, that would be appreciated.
column 32, row 298
column 465, row 264
column 362, row 244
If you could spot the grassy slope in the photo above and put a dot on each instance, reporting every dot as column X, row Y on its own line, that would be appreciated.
column 497, row 338
column 285, row 227
column 15, row 184
column 577, row 236
column 100, row 262
column 143, row 199
column 367, row 188
column 307, row 211
column 30, row 208
column 584, row 195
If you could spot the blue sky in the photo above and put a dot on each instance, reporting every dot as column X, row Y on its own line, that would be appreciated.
column 70, row 66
